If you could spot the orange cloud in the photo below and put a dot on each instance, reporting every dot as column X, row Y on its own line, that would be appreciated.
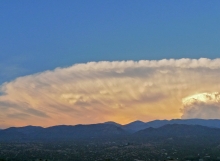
column 121, row 91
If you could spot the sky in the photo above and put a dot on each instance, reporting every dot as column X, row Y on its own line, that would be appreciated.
column 80, row 62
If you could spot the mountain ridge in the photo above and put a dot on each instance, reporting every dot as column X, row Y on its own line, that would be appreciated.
column 178, row 132
column 214, row 123
column 108, row 129
column 104, row 131
column 139, row 125
column 61, row 132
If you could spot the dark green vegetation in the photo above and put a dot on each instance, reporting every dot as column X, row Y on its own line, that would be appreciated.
column 182, row 142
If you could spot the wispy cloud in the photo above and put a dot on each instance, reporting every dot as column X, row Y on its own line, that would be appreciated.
column 99, row 91
column 9, row 71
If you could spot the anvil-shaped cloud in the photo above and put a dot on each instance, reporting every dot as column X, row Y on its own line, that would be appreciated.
column 122, row 91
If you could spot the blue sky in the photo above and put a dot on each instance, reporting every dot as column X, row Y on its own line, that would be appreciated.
column 42, row 35
column 173, row 48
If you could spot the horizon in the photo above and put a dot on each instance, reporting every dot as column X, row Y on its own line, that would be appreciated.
column 105, row 123
column 86, row 62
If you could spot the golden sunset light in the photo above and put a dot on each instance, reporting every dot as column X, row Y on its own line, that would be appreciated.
column 121, row 91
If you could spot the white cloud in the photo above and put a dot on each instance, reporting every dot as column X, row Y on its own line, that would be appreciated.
column 203, row 105
column 99, row 91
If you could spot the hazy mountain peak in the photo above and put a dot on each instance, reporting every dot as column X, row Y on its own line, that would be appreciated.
column 112, row 123
column 136, row 122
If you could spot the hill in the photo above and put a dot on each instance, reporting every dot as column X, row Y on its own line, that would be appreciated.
column 178, row 130
column 137, row 125
column 153, row 129
column 61, row 132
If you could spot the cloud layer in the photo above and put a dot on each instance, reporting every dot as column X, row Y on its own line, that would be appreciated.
column 122, row 91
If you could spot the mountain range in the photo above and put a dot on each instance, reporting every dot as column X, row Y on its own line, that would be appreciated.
column 136, row 129
column 140, row 125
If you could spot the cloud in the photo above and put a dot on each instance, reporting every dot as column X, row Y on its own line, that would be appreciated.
column 8, row 71
column 122, row 91
column 203, row 105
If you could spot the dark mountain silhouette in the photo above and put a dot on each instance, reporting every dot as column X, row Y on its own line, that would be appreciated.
column 135, row 126
column 138, row 125
column 10, row 135
column 85, row 131
column 179, row 134
column 113, row 123
column 25, row 130
column 178, row 130
column 61, row 132
column 136, row 129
